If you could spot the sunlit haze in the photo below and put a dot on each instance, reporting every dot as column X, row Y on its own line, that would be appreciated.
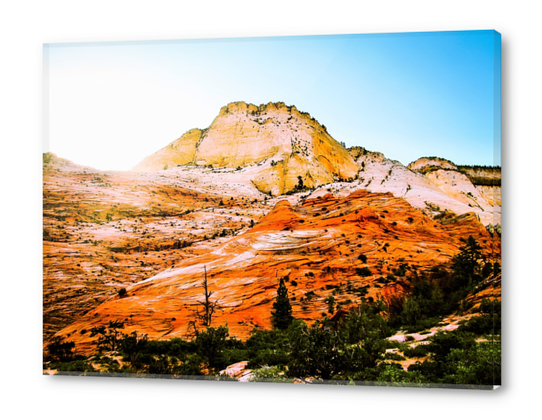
column 407, row 95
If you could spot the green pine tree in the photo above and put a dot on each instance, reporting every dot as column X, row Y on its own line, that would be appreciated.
column 281, row 316
column 466, row 265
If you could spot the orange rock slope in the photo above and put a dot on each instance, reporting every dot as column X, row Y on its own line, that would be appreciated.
column 316, row 244
column 103, row 231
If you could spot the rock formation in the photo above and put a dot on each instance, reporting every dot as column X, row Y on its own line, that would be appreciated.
column 284, row 143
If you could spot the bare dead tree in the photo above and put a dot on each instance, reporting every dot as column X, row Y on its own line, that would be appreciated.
column 204, row 315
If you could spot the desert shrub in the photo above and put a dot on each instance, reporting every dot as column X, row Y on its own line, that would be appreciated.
column 490, row 307
column 234, row 355
column 270, row 373
column 267, row 348
column 60, row 350
column 425, row 306
column 310, row 295
column 394, row 373
column 364, row 271
column 390, row 277
column 443, row 342
column 418, row 351
column 234, row 351
column 396, row 345
column 47, row 157
column 361, row 292
column 175, row 347
column 394, row 356
column 314, row 351
column 233, row 343
column 424, row 324
column 455, row 358
column 412, row 311
column 401, row 271
column 382, row 280
column 108, row 337
column 210, row 346
column 477, row 365
column 133, row 347
column 351, row 350
column 480, row 325
column 489, row 322
column 75, row 366
column 191, row 366
column 160, row 366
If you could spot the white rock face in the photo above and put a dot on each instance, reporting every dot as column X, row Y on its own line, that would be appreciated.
column 238, row 371
column 458, row 182
column 446, row 189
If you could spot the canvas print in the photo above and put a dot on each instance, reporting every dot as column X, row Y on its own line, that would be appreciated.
column 309, row 209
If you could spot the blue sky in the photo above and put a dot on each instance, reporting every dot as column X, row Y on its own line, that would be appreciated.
column 406, row 95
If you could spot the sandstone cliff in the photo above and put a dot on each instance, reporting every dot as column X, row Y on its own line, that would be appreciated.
column 280, row 141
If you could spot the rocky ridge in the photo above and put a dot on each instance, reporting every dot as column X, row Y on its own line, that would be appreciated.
column 281, row 150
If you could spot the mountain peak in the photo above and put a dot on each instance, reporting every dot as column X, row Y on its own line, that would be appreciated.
column 242, row 106
column 282, row 142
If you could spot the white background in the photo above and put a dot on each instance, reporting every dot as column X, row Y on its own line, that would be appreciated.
column 26, row 25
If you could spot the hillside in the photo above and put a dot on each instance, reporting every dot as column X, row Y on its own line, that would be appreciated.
column 320, row 245
column 263, row 193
